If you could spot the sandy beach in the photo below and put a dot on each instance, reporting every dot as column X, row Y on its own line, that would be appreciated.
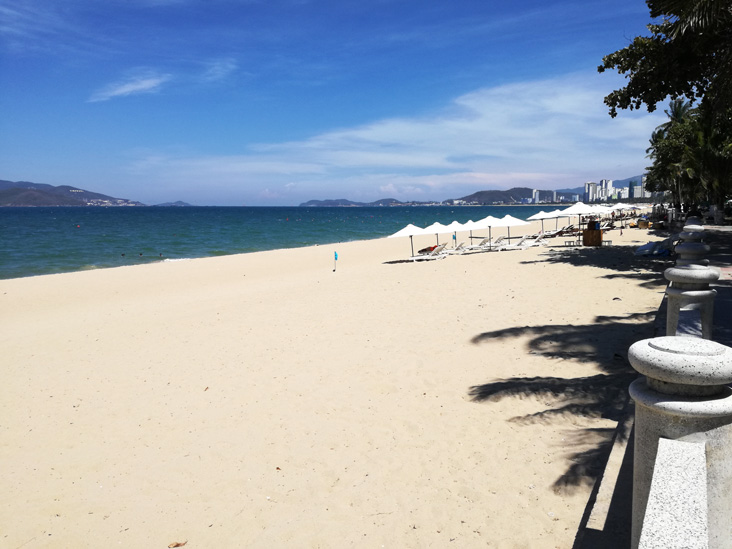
column 263, row 400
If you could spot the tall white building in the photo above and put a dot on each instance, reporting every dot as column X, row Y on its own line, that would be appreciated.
column 535, row 196
column 605, row 190
column 590, row 192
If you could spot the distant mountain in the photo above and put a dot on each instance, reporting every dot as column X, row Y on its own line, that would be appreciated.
column 617, row 183
column 176, row 204
column 511, row 196
column 25, row 193
column 342, row 202
column 32, row 197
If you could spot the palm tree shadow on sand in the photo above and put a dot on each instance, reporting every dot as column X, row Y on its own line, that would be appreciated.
column 602, row 344
column 646, row 270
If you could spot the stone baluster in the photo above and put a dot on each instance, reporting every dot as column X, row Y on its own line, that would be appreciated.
column 689, row 290
column 691, row 250
column 684, row 396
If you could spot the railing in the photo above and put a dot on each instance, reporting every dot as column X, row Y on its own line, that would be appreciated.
column 682, row 477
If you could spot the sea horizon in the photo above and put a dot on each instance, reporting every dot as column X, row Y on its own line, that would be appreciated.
column 58, row 239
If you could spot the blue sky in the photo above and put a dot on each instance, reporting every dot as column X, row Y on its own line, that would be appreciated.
column 275, row 102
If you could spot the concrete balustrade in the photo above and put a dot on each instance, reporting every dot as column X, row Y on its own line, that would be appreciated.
column 684, row 396
column 689, row 291
column 691, row 250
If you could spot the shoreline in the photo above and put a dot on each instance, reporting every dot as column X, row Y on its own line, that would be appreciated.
column 262, row 399
column 40, row 243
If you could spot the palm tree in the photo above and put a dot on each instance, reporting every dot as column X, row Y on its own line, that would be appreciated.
column 711, row 22
column 667, row 145
column 709, row 159
column 678, row 112
column 692, row 16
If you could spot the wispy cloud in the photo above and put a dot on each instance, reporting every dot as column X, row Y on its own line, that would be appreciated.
column 219, row 69
column 144, row 82
column 542, row 134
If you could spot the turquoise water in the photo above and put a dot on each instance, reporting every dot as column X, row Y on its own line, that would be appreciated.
column 36, row 241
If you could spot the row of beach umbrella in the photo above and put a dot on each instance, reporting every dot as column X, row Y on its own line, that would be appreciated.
column 438, row 228
column 579, row 209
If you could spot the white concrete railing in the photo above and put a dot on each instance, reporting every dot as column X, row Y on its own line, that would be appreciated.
column 684, row 397
column 676, row 513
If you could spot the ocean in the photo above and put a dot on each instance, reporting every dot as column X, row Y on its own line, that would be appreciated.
column 39, row 241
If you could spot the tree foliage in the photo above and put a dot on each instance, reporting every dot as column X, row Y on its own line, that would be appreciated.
column 687, row 57
column 688, row 54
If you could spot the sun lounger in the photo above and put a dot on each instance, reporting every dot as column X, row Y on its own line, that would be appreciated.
column 525, row 242
column 459, row 249
column 485, row 245
column 438, row 252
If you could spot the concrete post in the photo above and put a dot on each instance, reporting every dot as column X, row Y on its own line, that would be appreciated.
column 691, row 250
column 684, row 396
column 689, row 290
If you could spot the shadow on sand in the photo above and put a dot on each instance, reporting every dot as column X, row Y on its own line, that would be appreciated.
column 647, row 270
column 602, row 344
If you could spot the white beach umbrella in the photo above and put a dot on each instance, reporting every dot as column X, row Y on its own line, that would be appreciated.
column 454, row 227
column 555, row 214
column 541, row 216
column 603, row 210
column 436, row 229
column 469, row 225
column 579, row 209
column 487, row 223
column 410, row 230
column 509, row 221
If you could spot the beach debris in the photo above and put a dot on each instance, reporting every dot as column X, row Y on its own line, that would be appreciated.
column 178, row 543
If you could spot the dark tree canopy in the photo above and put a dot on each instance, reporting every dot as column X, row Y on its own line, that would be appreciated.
column 688, row 54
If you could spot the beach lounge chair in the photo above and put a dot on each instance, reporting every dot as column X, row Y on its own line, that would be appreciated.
column 459, row 249
column 525, row 242
column 482, row 246
column 438, row 252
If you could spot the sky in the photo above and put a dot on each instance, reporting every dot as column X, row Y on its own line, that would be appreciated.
column 276, row 102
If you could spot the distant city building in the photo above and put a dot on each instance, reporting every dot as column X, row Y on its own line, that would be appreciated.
column 605, row 190
column 590, row 192
column 535, row 196
column 644, row 192
column 554, row 196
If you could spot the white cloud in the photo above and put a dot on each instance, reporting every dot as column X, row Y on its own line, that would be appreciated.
column 144, row 82
column 543, row 134
column 219, row 70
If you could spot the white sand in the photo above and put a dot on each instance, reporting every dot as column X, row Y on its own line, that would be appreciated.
column 263, row 400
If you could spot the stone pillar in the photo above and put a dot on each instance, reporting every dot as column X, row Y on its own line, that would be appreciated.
column 684, row 396
column 691, row 250
column 689, row 290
